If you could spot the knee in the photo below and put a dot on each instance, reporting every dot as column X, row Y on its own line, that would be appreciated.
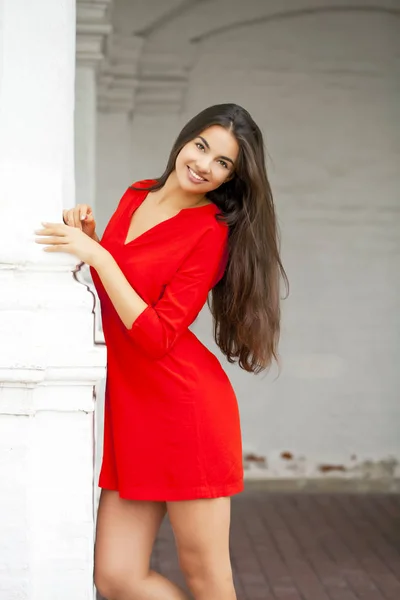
column 211, row 584
column 113, row 584
column 107, row 584
column 202, row 576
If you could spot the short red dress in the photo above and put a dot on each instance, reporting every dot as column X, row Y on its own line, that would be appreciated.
column 172, row 429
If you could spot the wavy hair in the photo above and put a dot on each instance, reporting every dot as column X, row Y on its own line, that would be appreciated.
column 245, row 303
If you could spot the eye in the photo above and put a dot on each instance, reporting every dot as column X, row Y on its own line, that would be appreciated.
column 199, row 145
column 224, row 164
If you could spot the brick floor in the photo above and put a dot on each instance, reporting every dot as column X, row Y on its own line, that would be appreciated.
column 299, row 546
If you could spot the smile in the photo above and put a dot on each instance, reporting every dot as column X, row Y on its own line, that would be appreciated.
column 194, row 176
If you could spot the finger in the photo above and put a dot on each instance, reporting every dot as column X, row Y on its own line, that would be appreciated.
column 69, row 219
column 59, row 225
column 83, row 212
column 77, row 217
column 65, row 216
column 53, row 229
column 57, row 248
column 53, row 241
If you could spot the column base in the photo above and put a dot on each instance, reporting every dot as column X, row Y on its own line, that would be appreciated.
column 49, row 367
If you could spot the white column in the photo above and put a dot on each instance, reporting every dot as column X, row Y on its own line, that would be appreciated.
column 93, row 29
column 48, row 362
column 118, row 81
column 114, row 160
column 85, row 134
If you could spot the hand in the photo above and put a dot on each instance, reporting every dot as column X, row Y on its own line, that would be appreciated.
column 81, row 217
column 62, row 238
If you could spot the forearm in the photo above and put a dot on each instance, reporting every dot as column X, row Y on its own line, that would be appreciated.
column 95, row 237
column 128, row 304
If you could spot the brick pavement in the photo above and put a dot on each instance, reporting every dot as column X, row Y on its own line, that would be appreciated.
column 307, row 546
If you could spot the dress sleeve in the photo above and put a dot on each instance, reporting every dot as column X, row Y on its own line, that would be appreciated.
column 159, row 326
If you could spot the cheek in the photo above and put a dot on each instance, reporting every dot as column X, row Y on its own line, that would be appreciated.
column 220, row 175
column 185, row 156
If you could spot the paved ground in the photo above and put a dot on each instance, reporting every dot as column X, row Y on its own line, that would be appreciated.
column 302, row 546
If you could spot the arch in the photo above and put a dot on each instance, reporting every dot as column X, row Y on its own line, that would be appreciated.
column 167, row 17
column 191, row 20
column 169, row 43
column 295, row 14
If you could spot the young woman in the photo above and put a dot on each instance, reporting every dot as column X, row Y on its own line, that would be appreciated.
column 172, row 437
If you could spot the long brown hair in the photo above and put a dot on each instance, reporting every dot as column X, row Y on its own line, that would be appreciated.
column 245, row 303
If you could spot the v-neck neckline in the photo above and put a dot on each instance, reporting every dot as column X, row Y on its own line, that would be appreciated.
column 135, row 205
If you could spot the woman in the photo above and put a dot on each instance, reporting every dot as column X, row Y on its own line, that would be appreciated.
column 172, row 434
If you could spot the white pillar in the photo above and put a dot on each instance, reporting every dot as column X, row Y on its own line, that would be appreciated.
column 118, row 78
column 114, row 160
column 93, row 29
column 85, row 134
column 85, row 125
column 48, row 362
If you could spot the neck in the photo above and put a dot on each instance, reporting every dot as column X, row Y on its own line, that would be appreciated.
column 173, row 195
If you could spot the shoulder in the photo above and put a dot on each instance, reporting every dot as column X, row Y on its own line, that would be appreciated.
column 135, row 191
column 213, row 224
column 210, row 248
column 143, row 184
column 205, row 234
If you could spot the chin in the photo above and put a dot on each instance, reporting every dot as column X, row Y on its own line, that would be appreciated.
column 190, row 189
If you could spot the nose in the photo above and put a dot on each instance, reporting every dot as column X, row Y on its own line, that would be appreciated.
column 203, row 166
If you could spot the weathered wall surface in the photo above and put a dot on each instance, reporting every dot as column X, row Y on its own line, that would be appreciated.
column 325, row 88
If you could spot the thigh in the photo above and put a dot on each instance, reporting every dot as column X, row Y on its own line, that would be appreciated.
column 125, row 534
column 201, row 529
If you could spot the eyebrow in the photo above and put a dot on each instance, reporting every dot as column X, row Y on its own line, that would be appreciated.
column 208, row 146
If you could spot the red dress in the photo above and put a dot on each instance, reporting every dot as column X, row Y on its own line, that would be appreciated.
column 171, row 429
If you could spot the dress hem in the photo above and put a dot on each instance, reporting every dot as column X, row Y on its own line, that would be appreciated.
column 198, row 493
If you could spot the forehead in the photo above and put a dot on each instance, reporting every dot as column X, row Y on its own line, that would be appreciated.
column 221, row 141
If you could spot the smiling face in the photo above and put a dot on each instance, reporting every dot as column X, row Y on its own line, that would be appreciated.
column 207, row 161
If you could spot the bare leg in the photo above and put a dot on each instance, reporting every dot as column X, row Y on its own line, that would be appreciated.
column 125, row 535
column 201, row 529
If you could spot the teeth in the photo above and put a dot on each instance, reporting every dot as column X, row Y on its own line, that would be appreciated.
column 195, row 175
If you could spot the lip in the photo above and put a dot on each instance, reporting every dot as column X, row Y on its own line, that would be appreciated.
column 192, row 179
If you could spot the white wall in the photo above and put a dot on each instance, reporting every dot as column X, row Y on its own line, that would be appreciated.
column 325, row 90
column 113, row 163
column 152, row 139
column 128, row 151
column 85, row 122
